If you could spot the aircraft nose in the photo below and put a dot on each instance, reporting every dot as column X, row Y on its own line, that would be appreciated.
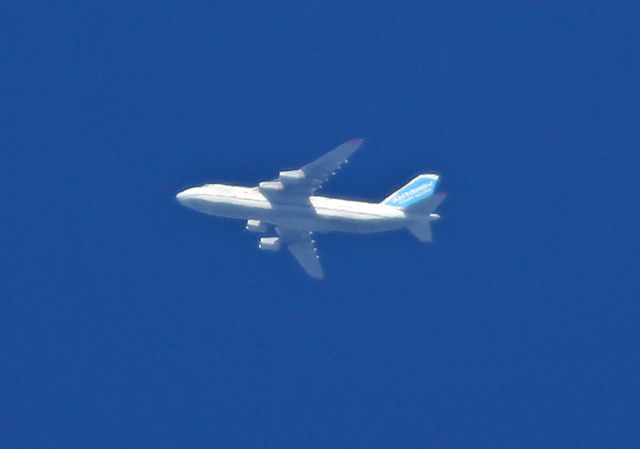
column 183, row 196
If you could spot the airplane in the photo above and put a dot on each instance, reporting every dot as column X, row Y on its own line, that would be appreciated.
column 288, row 207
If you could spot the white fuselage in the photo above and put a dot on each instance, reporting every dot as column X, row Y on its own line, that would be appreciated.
column 313, row 214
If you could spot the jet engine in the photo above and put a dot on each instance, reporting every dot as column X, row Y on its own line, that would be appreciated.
column 291, row 176
column 256, row 226
column 285, row 178
column 269, row 244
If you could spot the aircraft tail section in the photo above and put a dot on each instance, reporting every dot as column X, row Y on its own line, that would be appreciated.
column 418, row 189
column 421, row 216
column 417, row 196
column 418, row 200
column 427, row 205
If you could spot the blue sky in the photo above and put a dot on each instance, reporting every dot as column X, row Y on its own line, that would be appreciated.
column 128, row 321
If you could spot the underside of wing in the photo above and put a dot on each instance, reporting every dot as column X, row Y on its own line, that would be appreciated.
column 308, row 179
column 302, row 246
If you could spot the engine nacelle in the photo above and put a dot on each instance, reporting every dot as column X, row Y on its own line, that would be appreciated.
column 270, row 186
column 291, row 176
column 256, row 226
column 269, row 244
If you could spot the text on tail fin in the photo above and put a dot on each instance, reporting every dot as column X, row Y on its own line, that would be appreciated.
column 416, row 190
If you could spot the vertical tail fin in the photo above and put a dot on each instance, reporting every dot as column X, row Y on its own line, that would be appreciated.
column 418, row 189
column 427, row 205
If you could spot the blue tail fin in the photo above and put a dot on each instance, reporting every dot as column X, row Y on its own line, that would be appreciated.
column 418, row 189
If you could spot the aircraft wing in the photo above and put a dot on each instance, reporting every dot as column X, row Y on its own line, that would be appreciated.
column 302, row 246
column 308, row 179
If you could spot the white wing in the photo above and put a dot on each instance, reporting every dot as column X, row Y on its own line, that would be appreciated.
column 302, row 246
column 308, row 179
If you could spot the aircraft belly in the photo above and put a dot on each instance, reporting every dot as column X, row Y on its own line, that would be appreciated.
column 311, row 220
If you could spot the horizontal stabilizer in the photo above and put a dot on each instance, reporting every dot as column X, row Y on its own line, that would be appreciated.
column 422, row 231
column 423, row 213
